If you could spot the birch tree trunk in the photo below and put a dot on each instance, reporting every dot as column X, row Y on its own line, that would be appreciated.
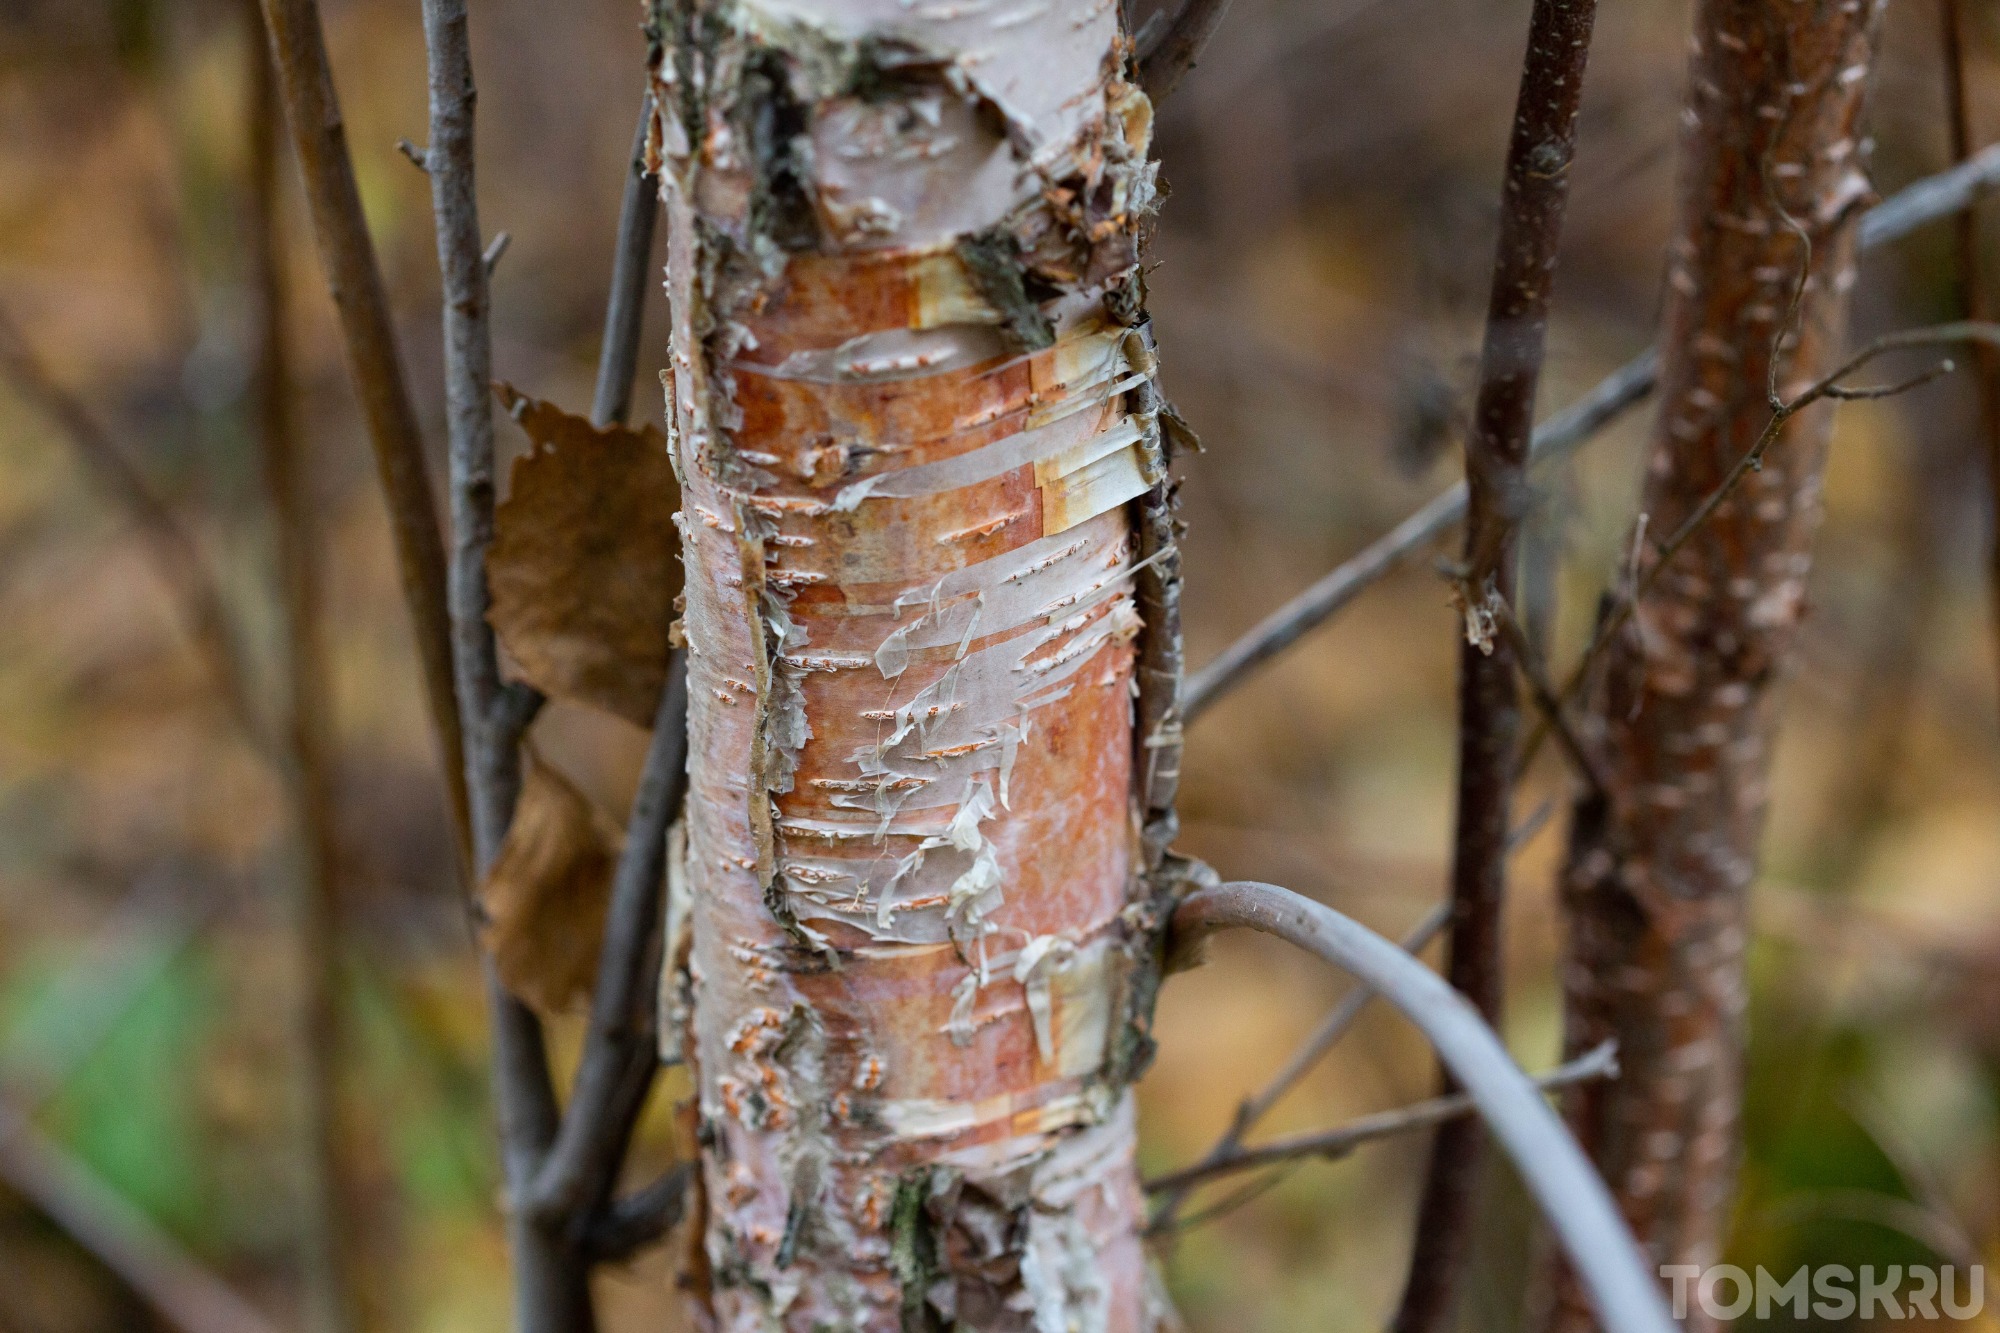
column 910, row 402
column 1658, row 869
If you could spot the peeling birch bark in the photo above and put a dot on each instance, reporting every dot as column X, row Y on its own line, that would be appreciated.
column 910, row 402
column 1657, row 872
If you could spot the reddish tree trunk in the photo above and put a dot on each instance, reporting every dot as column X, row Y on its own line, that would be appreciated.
column 1658, row 869
column 910, row 404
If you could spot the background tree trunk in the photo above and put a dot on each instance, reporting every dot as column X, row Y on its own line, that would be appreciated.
column 910, row 402
column 1658, row 868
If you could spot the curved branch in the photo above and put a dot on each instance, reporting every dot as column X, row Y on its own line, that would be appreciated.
column 1572, row 1197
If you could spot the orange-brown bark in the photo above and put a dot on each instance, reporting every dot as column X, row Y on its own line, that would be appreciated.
column 909, row 420
column 1658, row 868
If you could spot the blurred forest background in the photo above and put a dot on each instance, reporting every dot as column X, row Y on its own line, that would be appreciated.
column 1320, row 276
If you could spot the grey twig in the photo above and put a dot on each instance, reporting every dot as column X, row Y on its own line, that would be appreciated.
column 596, row 1125
column 1555, row 1170
column 630, row 1224
column 1914, row 206
column 631, row 264
column 551, row 1277
column 1547, row 702
column 489, row 259
column 1339, row 1141
column 1172, row 51
column 1829, row 387
column 1923, row 202
column 120, row 1236
column 347, row 255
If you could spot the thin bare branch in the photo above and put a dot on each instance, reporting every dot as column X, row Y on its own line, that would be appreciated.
column 631, row 275
column 1943, row 195
column 176, row 557
column 334, row 1285
column 1328, row 1144
column 1974, row 332
column 1489, row 710
column 1572, row 1197
column 1547, row 703
column 1920, row 203
column 120, row 1236
column 551, row 1277
column 1170, row 53
column 347, row 256
column 630, row 1224
column 1973, row 302
column 596, row 1126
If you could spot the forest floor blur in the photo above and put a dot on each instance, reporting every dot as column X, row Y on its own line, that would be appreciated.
column 1320, row 276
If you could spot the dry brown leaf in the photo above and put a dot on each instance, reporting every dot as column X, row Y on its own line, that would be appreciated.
column 542, row 904
column 585, row 562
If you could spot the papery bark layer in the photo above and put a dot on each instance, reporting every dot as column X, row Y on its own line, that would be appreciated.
column 909, row 401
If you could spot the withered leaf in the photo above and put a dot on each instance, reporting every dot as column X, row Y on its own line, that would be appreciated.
column 543, row 902
column 585, row 562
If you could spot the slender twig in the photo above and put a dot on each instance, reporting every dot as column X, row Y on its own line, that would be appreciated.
column 1551, row 1165
column 1556, row 438
column 1945, row 194
column 551, row 1277
column 1309, row 1053
column 1581, row 757
column 619, row 1062
column 489, row 258
column 332, row 1260
column 1338, row 1142
column 1173, row 50
column 119, row 1235
column 1227, row 1204
column 176, row 558
column 577, row 1171
column 631, row 274
column 629, row 1224
column 1973, row 302
column 1489, row 710
column 1974, row 332
column 369, row 336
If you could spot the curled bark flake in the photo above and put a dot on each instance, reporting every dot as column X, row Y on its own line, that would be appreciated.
column 585, row 564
